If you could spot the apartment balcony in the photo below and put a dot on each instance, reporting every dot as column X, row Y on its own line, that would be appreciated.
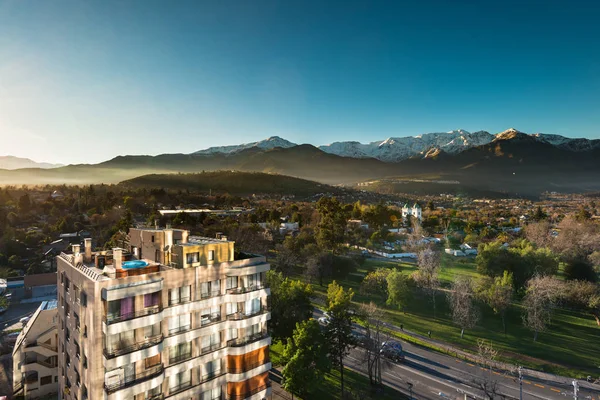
column 123, row 322
column 42, row 349
column 247, row 367
column 247, row 289
column 210, row 294
column 242, row 315
column 138, row 379
column 211, row 348
column 180, row 358
column 124, row 273
column 243, row 341
column 121, row 349
column 181, row 300
column 243, row 396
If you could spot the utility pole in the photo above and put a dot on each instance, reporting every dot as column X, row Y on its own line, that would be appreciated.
column 575, row 389
column 520, row 383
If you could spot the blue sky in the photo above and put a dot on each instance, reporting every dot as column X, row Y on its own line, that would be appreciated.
column 86, row 81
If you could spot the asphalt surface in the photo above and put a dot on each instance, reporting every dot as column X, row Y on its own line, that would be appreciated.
column 437, row 376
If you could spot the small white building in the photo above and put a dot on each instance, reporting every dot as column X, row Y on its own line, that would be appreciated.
column 414, row 211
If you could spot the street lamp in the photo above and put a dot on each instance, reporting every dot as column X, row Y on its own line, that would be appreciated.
column 520, row 369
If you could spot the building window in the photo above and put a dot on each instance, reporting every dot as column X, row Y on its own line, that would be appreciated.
column 233, row 333
column 152, row 361
column 232, row 282
column 83, row 299
column 76, row 293
column 211, row 342
column 212, row 394
column 180, row 323
column 180, row 295
column 76, row 320
column 180, row 381
column 151, row 299
column 45, row 380
column 211, row 255
column 192, row 258
column 67, row 285
column 231, row 308
column 180, row 352
column 210, row 289
column 213, row 369
column 152, row 239
column 209, row 315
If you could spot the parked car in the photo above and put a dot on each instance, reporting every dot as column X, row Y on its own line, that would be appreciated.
column 325, row 319
column 392, row 350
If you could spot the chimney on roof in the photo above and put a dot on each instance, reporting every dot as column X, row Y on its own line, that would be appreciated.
column 184, row 236
column 87, row 245
column 156, row 223
column 118, row 258
column 76, row 254
column 224, row 238
column 76, row 250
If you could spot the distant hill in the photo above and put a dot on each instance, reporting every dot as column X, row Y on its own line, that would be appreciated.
column 232, row 182
column 11, row 162
column 512, row 163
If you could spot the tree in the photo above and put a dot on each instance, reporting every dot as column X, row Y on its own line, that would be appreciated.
column 540, row 299
column 585, row 295
column 399, row 292
column 461, row 300
column 580, row 269
column 320, row 266
column 339, row 330
column 538, row 233
column 486, row 381
column 286, row 258
column 372, row 318
column 290, row 304
column 306, row 359
column 427, row 274
column 539, row 214
column 375, row 283
column 498, row 293
column 24, row 203
column 332, row 223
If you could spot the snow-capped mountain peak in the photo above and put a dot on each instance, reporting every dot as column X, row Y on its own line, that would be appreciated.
column 266, row 144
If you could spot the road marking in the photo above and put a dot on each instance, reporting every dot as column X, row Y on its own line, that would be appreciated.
column 556, row 390
column 527, row 382
column 483, row 369
column 471, row 365
column 497, row 373
column 538, row 385
column 457, row 360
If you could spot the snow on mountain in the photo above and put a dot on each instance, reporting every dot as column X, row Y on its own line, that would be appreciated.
column 578, row 144
column 396, row 149
column 267, row 144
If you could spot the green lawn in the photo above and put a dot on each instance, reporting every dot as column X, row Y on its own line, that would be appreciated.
column 569, row 347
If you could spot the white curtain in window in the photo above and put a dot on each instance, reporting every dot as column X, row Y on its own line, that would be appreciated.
column 185, row 293
column 174, row 295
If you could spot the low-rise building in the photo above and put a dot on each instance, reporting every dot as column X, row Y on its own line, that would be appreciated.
column 35, row 355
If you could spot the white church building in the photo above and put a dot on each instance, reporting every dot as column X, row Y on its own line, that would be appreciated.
column 414, row 211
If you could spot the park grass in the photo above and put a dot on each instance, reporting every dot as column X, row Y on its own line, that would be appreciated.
column 569, row 347
column 356, row 383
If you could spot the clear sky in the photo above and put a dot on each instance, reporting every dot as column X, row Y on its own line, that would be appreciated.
column 84, row 81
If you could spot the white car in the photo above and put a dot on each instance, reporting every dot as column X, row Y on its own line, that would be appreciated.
column 325, row 319
column 24, row 320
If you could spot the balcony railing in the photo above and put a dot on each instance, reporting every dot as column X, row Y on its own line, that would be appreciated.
column 42, row 363
column 113, row 319
column 240, row 290
column 212, row 293
column 181, row 300
column 247, row 339
column 212, row 375
column 124, row 273
column 179, row 388
column 122, row 348
column 209, row 321
column 241, row 315
column 179, row 329
column 44, row 345
column 159, row 396
column 211, row 348
column 242, row 396
column 138, row 378
column 247, row 367
column 180, row 358
column 17, row 388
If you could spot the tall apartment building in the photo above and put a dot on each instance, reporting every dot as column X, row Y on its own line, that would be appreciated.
column 170, row 317
column 35, row 356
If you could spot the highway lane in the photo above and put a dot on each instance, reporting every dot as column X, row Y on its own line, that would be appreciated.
column 439, row 375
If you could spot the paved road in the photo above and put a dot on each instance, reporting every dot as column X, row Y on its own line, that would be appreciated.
column 434, row 376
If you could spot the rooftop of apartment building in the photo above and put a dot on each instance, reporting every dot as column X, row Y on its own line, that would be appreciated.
column 121, row 262
column 45, row 306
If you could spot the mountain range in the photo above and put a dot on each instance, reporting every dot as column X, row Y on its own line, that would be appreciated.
column 510, row 162
column 11, row 162
column 395, row 149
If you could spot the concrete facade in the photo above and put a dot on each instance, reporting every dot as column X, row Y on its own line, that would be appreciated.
column 189, row 323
